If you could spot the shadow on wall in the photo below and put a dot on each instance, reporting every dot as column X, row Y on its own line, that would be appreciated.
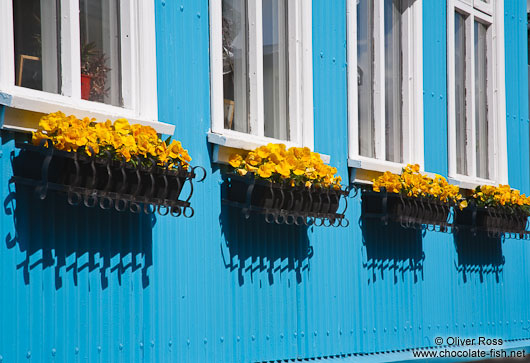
column 70, row 239
column 391, row 250
column 478, row 255
column 253, row 246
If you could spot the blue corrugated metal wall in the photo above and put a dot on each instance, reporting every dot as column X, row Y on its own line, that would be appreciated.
column 85, row 285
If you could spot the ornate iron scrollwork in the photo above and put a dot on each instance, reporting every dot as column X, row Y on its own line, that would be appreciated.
column 281, row 203
column 409, row 212
column 496, row 222
column 109, row 183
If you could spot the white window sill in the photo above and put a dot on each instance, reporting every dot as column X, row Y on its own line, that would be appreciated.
column 364, row 170
column 232, row 141
column 375, row 165
column 44, row 103
column 469, row 183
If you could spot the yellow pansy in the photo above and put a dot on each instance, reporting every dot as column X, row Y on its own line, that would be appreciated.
column 235, row 160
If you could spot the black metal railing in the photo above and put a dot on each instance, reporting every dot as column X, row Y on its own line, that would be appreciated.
column 106, row 182
column 282, row 203
column 496, row 222
column 409, row 212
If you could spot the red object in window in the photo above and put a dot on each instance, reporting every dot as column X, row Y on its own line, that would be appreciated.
column 85, row 86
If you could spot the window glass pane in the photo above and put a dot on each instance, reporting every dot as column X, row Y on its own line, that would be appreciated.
column 460, row 95
column 235, row 65
column 365, row 77
column 393, row 80
column 275, row 69
column 481, row 100
column 99, row 22
column 36, row 30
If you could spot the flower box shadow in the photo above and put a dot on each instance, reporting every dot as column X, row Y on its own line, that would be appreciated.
column 254, row 247
column 392, row 249
column 53, row 234
column 478, row 254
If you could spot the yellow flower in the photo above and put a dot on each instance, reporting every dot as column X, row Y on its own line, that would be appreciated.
column 308, row 184
column 122, row 126
column 253, row 159
column 263, row 152
column 266, row 170
column 184, row 156
column 283, row 169
column 251, row 168
column 175, row 148
column 463, row 204
column 38, row 136
column 242, row 172
column 235, row 160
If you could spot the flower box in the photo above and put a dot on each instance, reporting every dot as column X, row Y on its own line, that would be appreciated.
column 290, row 186
column 495, row 221
column 283, row 203
column 410, row 212
column 107, row 183
column 120, row 166
column 497, row 210
column 412, row 199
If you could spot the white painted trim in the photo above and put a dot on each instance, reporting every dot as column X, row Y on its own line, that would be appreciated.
column 500, row 95
column 300, row 84
column 147, row 77
column 498, row 158
column 413, row 140
column 7, row 45
column 484, row 7
column 216, row 67
column 139, row 76
column 70, row 49
column 353, row 96
column 43, row 102
column 307, row 110
column 379, row 80
column 418, row 147
column 221, row 153
column 241, row 140
column 365, row 163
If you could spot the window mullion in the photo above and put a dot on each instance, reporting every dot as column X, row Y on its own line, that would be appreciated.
column 216, row 64
column 128, row 54
column 7, row 49
column 294, row 62
column 70, row 49
column 379, row 79
column 470, row 95
column 451, row 96
column 353, row 111
column 491, row 92
column 407, row 85
column 255, row 40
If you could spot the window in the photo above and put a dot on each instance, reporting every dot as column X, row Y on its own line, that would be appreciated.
column 91, row 58
column 261, row 72
column 385, row 84
column 477, row 128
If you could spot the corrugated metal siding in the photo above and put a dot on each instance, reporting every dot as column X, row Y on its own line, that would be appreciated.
column 217, row 288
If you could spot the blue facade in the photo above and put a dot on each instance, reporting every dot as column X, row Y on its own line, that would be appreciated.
column 88, row 285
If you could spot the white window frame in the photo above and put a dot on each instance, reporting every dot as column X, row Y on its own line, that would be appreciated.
column 138, row 54
column 412, row 123
column 492, row 14
column 300, row 78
